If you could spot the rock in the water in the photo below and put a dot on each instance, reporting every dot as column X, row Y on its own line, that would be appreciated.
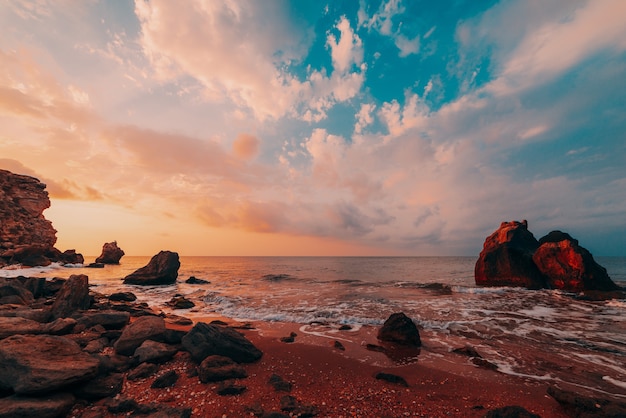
column 204, row 340
column 507, row 258
column 568, row 266
column 400, row 329
column 194, row 280
column 161, row 270
column 16, row 325
column 52, row 406
column 111, row 253
column 511, row 412
column 31, row 364
column 134, row 334
column 154, row 352
column 180, row 302
column 219, row 368
column 123, row 297
column 73, row 296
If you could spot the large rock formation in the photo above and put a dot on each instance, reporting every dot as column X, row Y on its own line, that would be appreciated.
column 111, row 253
column 162, row 269
column 26, row 237
column 511, row 256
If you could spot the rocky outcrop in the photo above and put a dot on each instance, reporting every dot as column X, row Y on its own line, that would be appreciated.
column 73, row 296
column 144, row 328
column 400, row 329
column 161, row 270
column 204, row 340
column 568, row 266
column 52, row 406
column 511, row 256
column 111, row 253
column 507, row 258
column 26, row 237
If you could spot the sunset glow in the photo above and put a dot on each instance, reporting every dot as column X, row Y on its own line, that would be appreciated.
column 303, row 128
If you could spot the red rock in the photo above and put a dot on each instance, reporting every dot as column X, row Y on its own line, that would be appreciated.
column 400, row 329
column 111, row 253
column 568, row 266
column 73, row 296
column 162, row 269
column 507, row 258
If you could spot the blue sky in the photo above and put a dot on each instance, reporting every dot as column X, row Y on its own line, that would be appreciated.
column 305, row 128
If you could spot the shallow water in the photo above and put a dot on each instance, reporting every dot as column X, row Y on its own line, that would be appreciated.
column 540, row 335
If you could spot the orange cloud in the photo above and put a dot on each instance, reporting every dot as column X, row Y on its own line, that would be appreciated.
column 246, row 146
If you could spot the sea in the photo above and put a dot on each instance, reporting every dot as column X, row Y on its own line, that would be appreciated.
column 540, row 335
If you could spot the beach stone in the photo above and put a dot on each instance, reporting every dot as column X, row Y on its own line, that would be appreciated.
column 204, row 340
column 142, row 371
column 154, row 352
column 577, row 405
column 35, row 285
column 111, row 253
column 14, row 293
column 108, row 319
column 511, row 412
column 194, row 280
column 391, row 378
column 230, row 389
column 161, row 270
column 142, row 329
column 219, row 368
column 101, row 387
column 15, row 325
column 31, row 364
column 279, row 384
column 60, row 326
column 507, row 258
column 166, row 380
column 73, row 296
column 568, row 266
column 180, row 302
column 123, row 297
column 50, row 406
column 400, row 329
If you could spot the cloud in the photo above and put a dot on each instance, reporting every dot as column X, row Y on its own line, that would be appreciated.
column 246, row 146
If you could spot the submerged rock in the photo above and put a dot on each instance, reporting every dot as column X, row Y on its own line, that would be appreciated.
column 161, row 270
column 111, row 253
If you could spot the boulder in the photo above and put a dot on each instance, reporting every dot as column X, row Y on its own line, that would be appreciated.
column 400, row 329
column 568, row 266
column 123, row 297
column 180, row 302
column 16, row 325
column 59, row 326
column 73, row 296
column 195, row 280
column 578, row 405
column 204, row 340
column 101, row 387
column 507, row 258
column 107, row 318
column 142, row 329
column 161, row 270
column 165, row 380
column 512, row 411
column 13, row 293
column 111, row 254
column 154, row 352
column 52, row 406
column 34, row 364
column 219, row 368
column 142, row 371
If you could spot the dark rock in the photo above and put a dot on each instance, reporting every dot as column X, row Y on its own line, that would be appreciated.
column 51, row 406
column 204, row 340
column 601, row 295
column 339, row 346
column 96, row 346
column 112, row 363
column 177, row 320
column 510, row 412
column 374, row 347
column 52, row 287
column 166, row 380
column 180, row 302
column 107, row 319
column 484, row 364
column 218, row 368
column 35, row 285
column 468, row 350
column 157, row 410
column 400, row 329
column 101, row 387
column 60, row 326
column 291, row 338
column 142, row 371
column 31, row 364
column 142, row 329
column 507, row 258
column 154, row 352
column 577, row 405
column 279, row 384
column 14, row 293
column 230, row 389
column 73, row 296
column 123, row 297
column 194, row 280
column 290, row 404
column 568, row 266
column 15, row 325
column 345, row 328
column 111, row 253
column 161, row 270
column 392, row 378
column 121, row 405
column 95, row 265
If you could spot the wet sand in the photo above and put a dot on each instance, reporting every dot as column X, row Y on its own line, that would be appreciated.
column 340, row 383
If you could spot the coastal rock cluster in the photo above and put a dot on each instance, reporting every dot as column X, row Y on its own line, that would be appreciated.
column 26, row 237
column 511, row 256
column 111, row 253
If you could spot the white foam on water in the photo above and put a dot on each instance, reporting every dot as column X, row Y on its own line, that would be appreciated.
column 16, row 270
column 305, row 330
column 616, row 382
column 544, row 313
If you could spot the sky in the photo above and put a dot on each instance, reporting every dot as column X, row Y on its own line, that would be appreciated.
column 353, row 127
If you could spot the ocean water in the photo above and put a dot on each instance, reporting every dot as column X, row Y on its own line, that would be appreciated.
column 545, row 335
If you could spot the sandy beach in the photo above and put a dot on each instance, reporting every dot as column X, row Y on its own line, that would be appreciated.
column 327, row 381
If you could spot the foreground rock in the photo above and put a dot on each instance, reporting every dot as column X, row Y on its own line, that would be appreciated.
column 111, row 254
column 161, row 270
column 400, row 329
column 51, row 406
column 73, row 296
column 577, row 405
column 511, row 256
column 144, row 328
column 32, row 364
column 26, row 237
column 204, row 340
